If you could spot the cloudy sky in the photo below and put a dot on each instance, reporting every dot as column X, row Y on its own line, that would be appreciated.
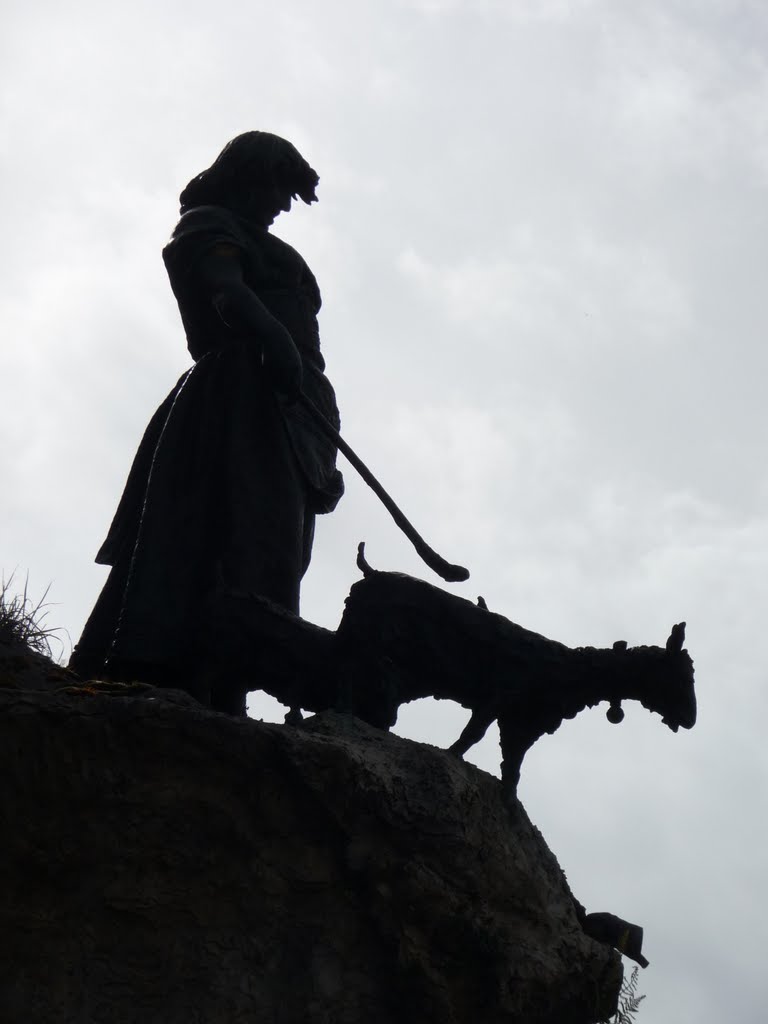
column 541, row 245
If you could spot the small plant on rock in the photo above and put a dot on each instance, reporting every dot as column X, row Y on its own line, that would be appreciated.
column 22, row 620
column 629, row 1000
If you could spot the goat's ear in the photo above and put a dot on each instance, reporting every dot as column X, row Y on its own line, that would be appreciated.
column 676, row 638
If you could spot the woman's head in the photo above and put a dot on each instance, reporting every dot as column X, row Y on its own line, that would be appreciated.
column 250, row 167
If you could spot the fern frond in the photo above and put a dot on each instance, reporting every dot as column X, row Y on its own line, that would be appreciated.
column 629, row 1000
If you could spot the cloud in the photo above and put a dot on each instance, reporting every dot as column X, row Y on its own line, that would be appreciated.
column 540, row 242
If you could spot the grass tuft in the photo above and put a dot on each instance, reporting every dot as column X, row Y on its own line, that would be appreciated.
column 22, row 620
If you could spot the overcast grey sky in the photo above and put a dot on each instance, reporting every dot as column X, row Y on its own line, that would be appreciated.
column 541, row 244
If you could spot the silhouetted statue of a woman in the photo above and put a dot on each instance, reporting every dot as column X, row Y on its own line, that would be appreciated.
column 230, row 473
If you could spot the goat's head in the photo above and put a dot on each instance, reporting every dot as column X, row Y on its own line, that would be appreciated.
column 680, row 696
column 665, row 682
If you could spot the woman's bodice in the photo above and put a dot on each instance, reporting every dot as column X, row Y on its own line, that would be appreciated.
column 272, row 269
column 283, row 282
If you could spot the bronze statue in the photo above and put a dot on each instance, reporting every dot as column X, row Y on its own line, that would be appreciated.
column 232, row 470
column 401, row 639
column 214, row 530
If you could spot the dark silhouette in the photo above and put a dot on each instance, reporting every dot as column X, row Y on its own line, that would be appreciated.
column 232, row 470
column 401, row 639
column 613, row 931
column 214, row 530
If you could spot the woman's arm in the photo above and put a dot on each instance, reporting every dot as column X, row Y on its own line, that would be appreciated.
column 220, row 273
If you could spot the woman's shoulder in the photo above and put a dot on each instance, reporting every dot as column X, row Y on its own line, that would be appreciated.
column 206, row 221
column 268, row 261
column 199, row 230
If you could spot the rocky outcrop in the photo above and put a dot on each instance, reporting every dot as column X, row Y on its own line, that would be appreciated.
column 167, row 863
column 23, row 669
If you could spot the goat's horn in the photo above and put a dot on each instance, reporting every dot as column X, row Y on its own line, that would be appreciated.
column 362, row 565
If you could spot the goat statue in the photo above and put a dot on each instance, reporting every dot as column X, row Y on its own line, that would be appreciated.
column 400, row 639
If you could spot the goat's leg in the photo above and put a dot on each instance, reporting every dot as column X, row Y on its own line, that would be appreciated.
column 514, row 742
column 474, row 730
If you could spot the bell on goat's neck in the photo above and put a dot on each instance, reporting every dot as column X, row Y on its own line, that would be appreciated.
column 614, row 714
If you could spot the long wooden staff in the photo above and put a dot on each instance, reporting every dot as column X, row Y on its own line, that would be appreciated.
column 450, row 573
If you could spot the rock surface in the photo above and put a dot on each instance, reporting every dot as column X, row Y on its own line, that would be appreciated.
column 22, row 669
column 167, row 863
